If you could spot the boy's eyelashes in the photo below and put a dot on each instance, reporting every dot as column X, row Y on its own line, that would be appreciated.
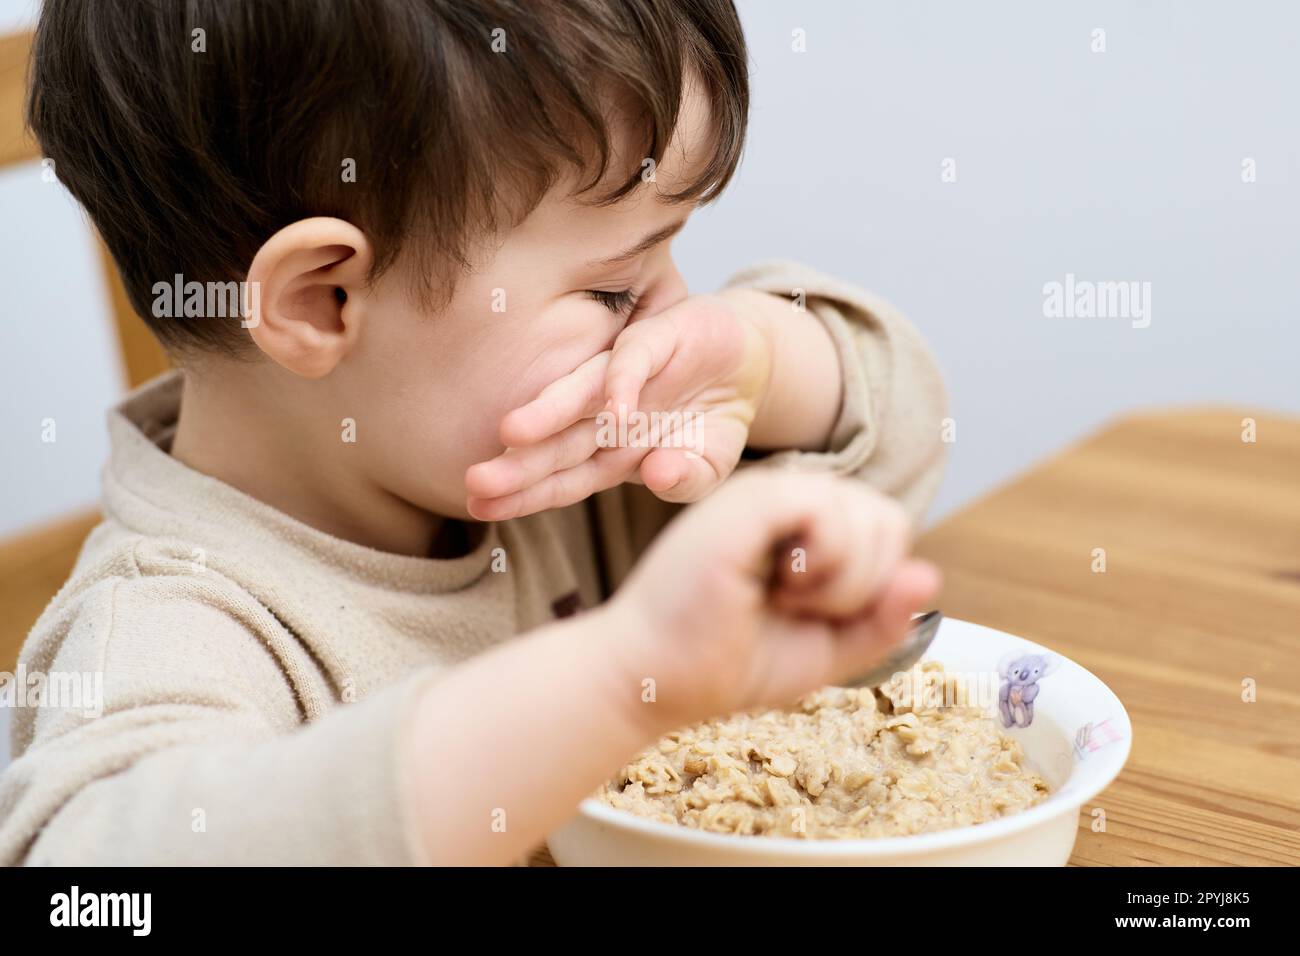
column 622, row 302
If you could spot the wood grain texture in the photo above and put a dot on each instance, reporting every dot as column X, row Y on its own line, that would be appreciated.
column 1201, row 591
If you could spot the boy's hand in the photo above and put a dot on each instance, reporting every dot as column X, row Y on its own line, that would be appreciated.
column 718, row 616
column 702, row 358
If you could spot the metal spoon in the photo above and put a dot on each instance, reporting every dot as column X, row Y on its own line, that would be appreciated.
column 913, row 647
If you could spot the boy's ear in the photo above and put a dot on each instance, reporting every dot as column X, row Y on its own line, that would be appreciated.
column 307, row 300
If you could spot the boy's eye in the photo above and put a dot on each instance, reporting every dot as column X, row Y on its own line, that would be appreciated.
column 620, row 303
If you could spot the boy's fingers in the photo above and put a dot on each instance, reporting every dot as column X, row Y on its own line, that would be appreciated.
column 807, row 564
column 603, row 470
column 866, row 641
column 806, row 653
column 662, row 469
column 757, row 510
column 640, row 353
column 739, row 524
column 801, row 653
column 676, row 475
column 679, row 470
column 578, row 395
column 849, row 552
column 517, row 468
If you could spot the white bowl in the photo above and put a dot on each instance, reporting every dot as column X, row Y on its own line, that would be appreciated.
column 1078, row 739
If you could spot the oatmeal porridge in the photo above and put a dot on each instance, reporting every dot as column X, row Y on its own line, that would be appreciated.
column 842, row 764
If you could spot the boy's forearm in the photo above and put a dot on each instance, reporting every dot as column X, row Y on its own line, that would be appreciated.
column 506, row 745
column 804, row 392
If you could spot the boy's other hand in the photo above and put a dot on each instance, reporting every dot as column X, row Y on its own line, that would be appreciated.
column 776, row 585
column 669, row 406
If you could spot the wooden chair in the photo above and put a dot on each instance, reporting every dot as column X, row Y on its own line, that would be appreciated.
column 35, row 563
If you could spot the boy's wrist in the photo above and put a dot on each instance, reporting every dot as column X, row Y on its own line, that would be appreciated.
column 801, row 402
column 754, row 312
column 627, row 650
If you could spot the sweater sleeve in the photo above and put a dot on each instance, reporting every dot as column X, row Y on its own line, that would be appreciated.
column 193, row 750
column 890, row 425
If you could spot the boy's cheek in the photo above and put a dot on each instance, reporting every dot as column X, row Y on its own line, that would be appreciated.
column 548, row 364
column 461, row 424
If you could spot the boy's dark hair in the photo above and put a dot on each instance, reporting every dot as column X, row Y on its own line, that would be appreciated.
column 189, row 149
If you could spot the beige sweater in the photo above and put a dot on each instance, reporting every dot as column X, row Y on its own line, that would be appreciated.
column 257, row 674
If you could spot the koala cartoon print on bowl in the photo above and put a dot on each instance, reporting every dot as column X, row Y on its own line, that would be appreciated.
column 1020, row 675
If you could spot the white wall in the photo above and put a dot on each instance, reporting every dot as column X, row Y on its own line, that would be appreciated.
column 1123, row 165
column 58, row 362
column 59, row 365
column 17, row 15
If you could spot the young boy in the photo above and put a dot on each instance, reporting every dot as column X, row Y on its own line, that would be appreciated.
column 333, row 597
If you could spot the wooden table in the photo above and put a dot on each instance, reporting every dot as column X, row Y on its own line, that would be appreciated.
column 1201, row 590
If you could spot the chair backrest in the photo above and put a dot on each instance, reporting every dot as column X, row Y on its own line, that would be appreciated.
column 141, row 355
